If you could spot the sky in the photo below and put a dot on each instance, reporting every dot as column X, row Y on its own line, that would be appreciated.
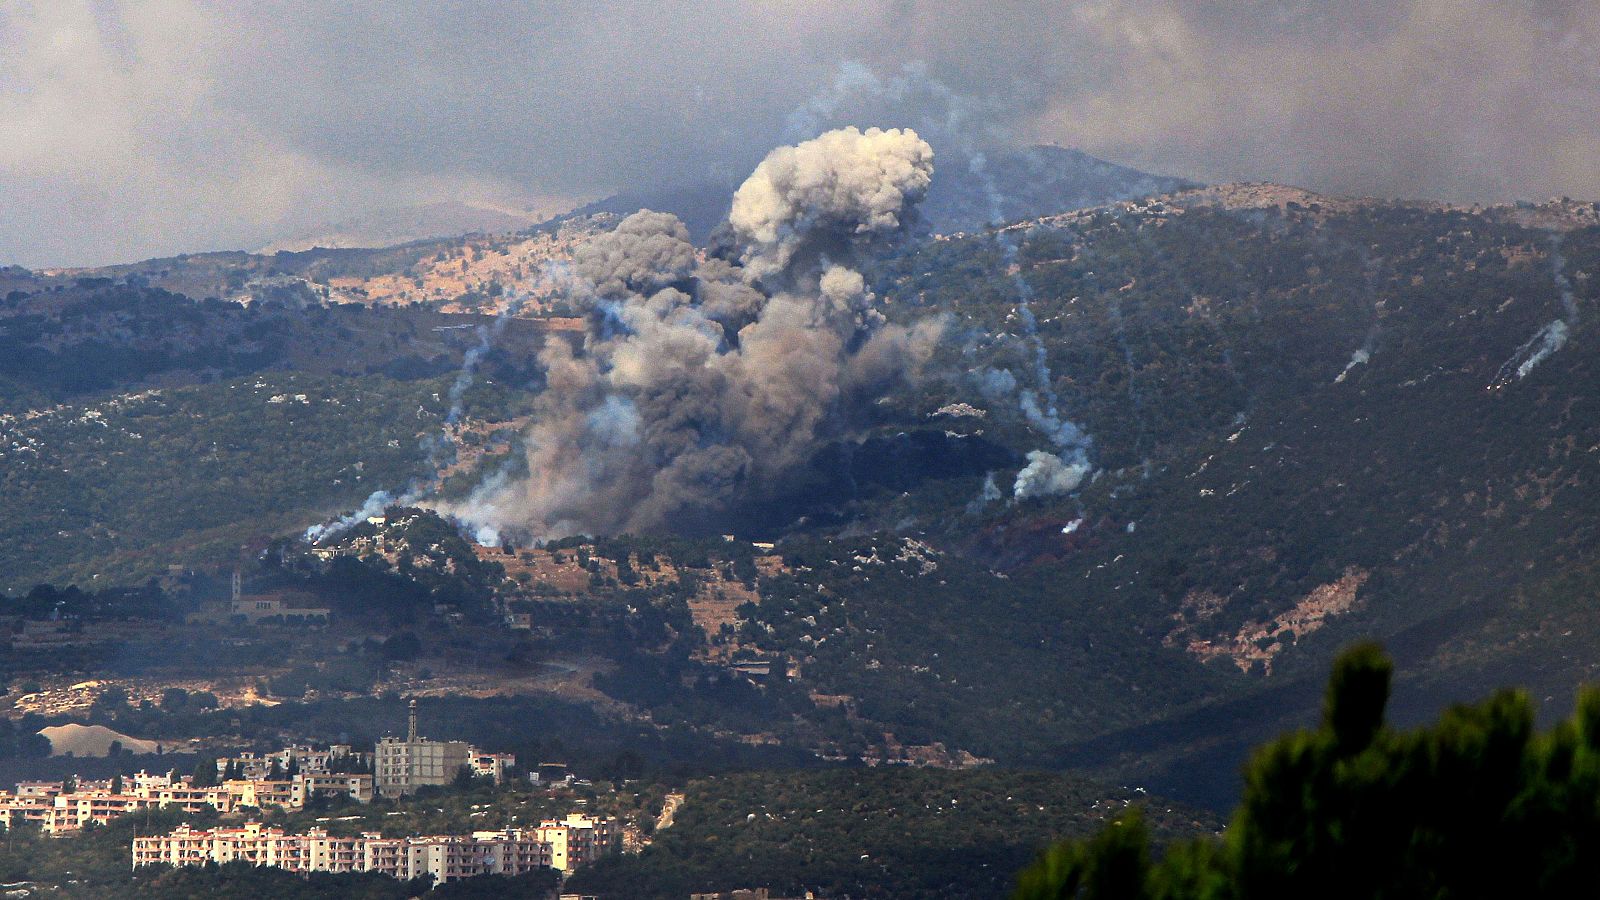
column 138, row 129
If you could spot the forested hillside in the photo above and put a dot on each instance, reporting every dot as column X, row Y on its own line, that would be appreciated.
column 1303, row 420
column 870, row 833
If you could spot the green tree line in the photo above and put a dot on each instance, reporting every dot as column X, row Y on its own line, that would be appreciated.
column 1479, row 804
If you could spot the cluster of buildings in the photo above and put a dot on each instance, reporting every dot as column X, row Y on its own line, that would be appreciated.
column 61, row 808
column 403, row 765
column 564, row 845
column 398, row 766
column 291, row 778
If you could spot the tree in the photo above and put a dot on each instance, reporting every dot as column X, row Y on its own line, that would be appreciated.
column 205, row 771
column 174, row 698
column 116, row 784
column 111, row 698
column 402, row 647
column 1479, row 804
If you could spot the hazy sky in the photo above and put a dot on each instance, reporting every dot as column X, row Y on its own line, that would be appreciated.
column 132, row 129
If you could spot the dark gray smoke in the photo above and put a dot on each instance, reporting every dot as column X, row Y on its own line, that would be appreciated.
column 703, row 382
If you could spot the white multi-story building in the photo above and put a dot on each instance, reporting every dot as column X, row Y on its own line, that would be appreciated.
column 58, row 812
column 445, row 857
column 578, row 840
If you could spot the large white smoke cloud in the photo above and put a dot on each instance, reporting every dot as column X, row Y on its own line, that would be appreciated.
column 846, row 181
column 703, row 381
column 1046, row 474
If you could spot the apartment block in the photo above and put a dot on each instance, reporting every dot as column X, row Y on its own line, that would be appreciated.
column 445, row 857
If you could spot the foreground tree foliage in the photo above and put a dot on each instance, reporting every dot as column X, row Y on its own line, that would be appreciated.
column 1476, row 805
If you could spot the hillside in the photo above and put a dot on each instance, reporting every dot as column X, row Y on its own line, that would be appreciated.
column 1308, row 419
column 870, row 833
column 1315, row 419
column 480, row 272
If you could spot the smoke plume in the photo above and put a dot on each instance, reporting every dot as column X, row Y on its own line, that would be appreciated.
column 701, row 382
column 1553, row 336
column 1548, row 340
column 844, row 184
column 1046, row 474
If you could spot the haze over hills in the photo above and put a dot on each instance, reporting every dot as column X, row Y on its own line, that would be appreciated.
column 966, row 195
column 404, row 225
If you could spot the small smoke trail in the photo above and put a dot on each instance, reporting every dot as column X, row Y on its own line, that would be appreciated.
column 989, row 493
column 1558, row 271
column 1549, row 339
column 374, row 506
column 1538, row 348
column 1358, row 358
column 1361, row 356
column 439, row 446
column 1046, row 473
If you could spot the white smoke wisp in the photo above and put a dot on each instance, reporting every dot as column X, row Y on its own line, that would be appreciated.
column 1040, row 405
column 1558, row 272
column 1549, row 339
column 375, row 504
column 702, row 382
column 1047, row 474
column 1359, row 358
column 1537, row 349
column 989, row 493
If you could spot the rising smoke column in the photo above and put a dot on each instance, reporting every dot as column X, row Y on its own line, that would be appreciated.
column 702, row 382
column 1047, row 472
column 962, row 126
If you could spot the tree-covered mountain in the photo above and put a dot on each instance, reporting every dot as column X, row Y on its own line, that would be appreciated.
column 1307, row 420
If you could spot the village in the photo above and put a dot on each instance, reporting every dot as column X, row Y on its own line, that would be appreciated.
column 299, row 777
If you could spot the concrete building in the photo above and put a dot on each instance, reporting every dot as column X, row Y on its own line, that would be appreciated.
column 445, row 857
column 402, row 765
column 57, row 812
column 492, row 765
column 253, row 609
column 578, row 840
column 307, row 788
column 304, row 759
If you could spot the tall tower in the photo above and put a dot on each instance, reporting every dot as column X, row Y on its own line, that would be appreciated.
column 411, row 726
column 238, row 584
